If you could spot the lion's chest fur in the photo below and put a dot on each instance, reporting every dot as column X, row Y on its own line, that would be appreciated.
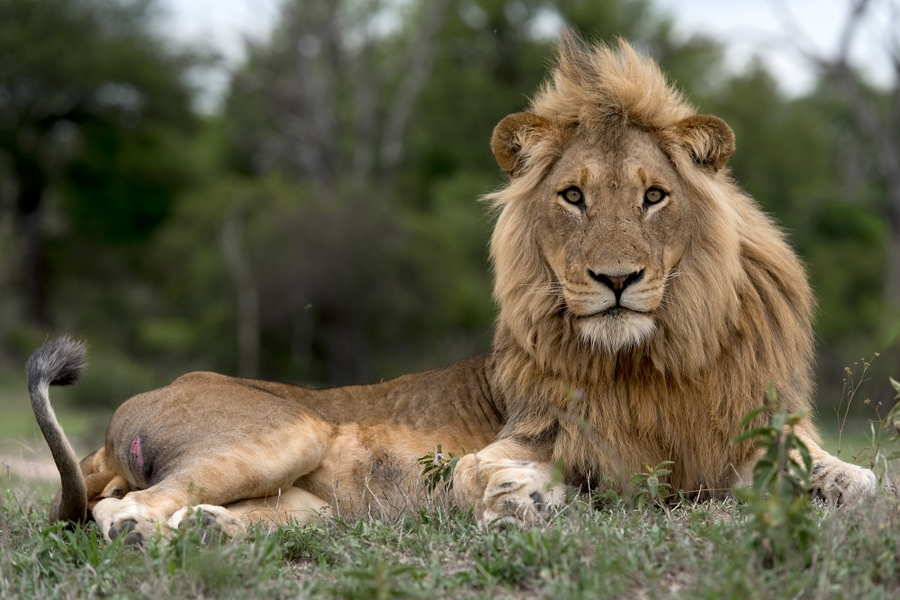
column 610, row 424
column 611, row 432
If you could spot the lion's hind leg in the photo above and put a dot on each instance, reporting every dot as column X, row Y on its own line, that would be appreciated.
column 159, row 510
column 231, row 489
column 291, row 505
column 139, row 515
column 150, row 512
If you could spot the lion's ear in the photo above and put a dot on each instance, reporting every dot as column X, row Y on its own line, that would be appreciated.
column 514, row 133
column 709, row 139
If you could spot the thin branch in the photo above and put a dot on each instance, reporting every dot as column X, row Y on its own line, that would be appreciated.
column 367, row 84
column 873, row 123
column 838, row 70
column 857, row 13
column 797, row 36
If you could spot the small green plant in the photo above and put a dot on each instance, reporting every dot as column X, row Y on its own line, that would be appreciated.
column 607, row 494
column 781, row 518
column 378, row 580
column 890, row 422
column 648, row 487
column 883, row 429
column 893, row 416
column 437, row 468
column 850, row 388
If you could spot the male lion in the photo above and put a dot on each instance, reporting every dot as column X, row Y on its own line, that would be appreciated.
column 645, row 305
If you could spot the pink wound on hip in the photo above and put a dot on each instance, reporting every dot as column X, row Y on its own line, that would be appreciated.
column 136, row 454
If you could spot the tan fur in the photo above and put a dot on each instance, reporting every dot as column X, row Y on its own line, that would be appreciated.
column 633, row 328
column 733, row 302
column 722, row 309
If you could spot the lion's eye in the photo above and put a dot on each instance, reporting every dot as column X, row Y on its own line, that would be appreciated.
column 572, row 195
column 654, row 195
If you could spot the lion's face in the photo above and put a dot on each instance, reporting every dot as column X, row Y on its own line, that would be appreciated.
column 595, row 225
column 613, row 220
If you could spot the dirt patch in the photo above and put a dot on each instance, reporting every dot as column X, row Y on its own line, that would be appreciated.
column 31, row 469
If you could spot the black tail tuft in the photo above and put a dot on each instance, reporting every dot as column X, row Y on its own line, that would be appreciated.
column 57, row 362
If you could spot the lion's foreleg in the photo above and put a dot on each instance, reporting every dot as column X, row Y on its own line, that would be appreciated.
column 507, row 483
column 830, row 478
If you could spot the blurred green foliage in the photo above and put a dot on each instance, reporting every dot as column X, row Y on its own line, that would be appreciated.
column 324, row 226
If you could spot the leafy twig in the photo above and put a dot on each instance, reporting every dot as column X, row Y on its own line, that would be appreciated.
column 778, row 500
column 437, row 468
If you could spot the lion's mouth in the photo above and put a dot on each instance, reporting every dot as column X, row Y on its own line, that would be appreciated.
column 615, row 312
column 616, row 327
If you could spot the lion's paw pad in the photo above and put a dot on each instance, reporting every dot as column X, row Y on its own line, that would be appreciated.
column 126, row 527
column 135, row 534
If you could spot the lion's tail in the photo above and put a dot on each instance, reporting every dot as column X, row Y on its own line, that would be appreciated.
column 59, row 362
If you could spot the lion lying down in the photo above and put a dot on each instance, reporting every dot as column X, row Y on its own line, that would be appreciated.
column 645, row 304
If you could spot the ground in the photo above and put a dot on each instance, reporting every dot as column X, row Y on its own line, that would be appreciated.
column 594, row 547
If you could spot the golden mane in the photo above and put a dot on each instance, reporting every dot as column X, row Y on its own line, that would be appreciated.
column 735, row 316
column 603, row 88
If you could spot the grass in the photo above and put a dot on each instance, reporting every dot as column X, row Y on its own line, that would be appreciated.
column 700, row 550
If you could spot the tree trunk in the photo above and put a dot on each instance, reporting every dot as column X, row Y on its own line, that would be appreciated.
column 30, row 226
column 892, row 275
column 247, row 297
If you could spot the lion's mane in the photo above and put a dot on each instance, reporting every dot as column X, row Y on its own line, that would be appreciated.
column 736, row 313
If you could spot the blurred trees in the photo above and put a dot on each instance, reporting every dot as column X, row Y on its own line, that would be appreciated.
column 86, row 94
column 874, row 115
column 828, row 166
column 325, row 228
column 382, row 115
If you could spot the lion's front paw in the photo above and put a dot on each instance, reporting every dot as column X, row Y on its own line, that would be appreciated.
column 838, row 482
column 517, row 493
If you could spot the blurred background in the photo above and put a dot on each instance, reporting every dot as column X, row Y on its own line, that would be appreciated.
column 288, row 189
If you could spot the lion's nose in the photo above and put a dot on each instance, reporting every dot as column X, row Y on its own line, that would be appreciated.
column 617, row 283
